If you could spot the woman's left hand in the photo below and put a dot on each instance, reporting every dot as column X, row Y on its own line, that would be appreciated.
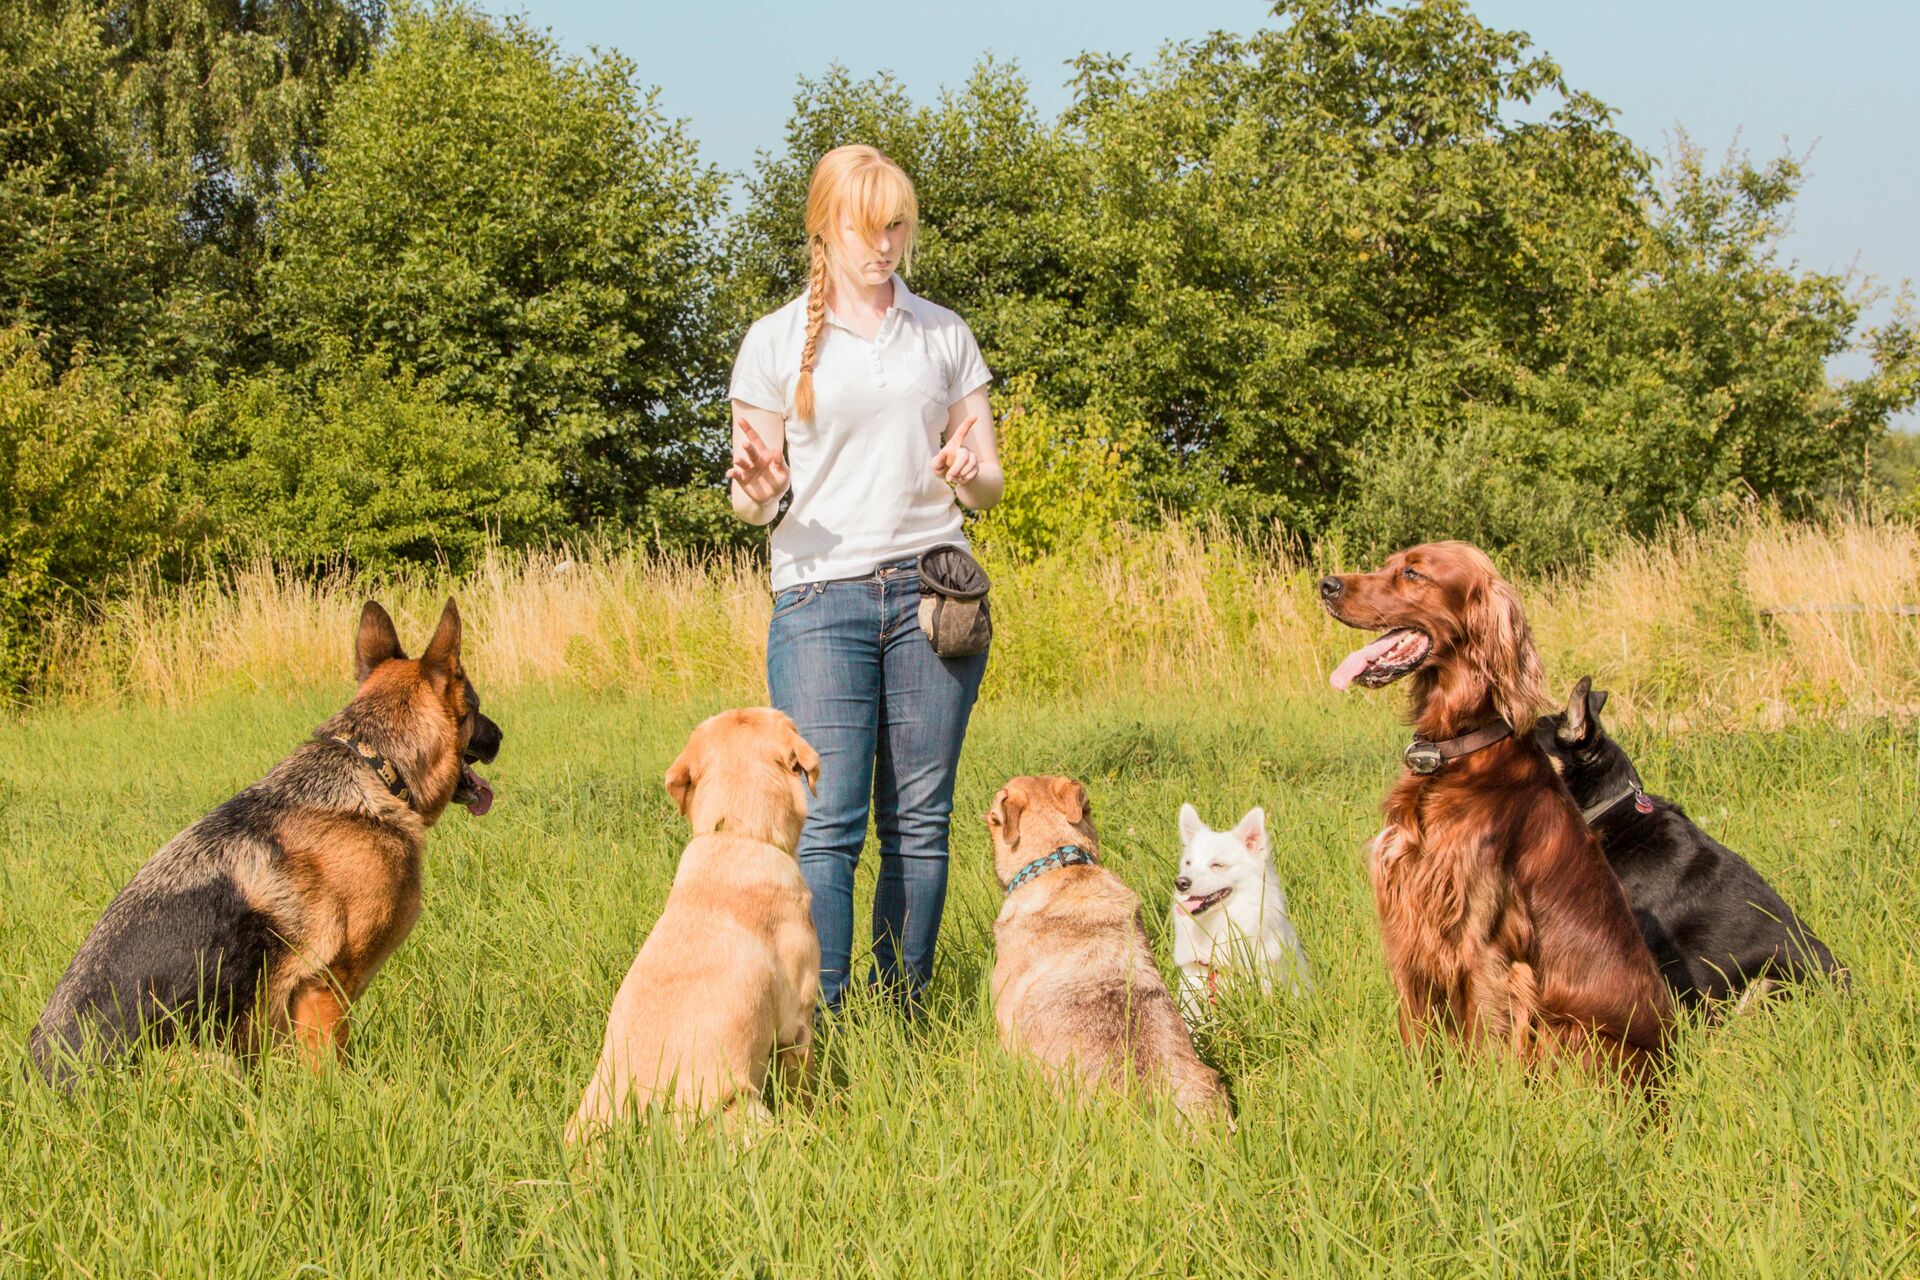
column 955, row 463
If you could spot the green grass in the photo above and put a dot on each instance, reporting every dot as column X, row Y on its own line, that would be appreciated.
column 1787, row 1143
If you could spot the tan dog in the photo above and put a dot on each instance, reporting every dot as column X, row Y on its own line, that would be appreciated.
column 1074, row 983
column 725, row 983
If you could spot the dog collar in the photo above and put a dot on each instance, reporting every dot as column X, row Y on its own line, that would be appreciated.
column 382, row 767
column 1067, row 855
column 1635, row 789
column 1424, row 757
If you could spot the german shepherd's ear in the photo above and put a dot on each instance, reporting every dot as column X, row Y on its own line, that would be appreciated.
column 1595, row 701
column 1004, row 816
column 377, row 642
column 680, row 780
column 806, row 761
column 1072, row 799
column 441, row 661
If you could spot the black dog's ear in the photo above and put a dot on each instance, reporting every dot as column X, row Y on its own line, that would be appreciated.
column 1574, row 729
column 377, row 642
column 1596, row 700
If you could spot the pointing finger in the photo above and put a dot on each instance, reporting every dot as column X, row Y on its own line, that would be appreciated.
column 751, row 438
column 953, row 441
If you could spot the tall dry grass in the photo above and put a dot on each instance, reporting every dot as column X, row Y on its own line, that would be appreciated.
column 1681, row 626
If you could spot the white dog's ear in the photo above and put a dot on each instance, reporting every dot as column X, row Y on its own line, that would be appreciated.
column 1190, row 824
column 1252, row 831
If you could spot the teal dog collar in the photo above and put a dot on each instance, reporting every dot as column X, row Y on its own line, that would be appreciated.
column 1067, row 855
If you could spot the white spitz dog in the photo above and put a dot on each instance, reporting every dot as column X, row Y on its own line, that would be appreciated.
column 1230, row 914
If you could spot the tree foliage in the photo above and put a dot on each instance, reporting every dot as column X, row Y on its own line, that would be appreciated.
column 527, row 229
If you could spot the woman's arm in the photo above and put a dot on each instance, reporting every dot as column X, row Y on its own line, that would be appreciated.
column 970, row 462
column 758, row 477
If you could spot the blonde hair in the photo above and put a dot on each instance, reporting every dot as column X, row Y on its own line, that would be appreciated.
column 861, row 182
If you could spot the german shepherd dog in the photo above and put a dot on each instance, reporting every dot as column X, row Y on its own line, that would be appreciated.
column 1716, row 928
column 269, row 916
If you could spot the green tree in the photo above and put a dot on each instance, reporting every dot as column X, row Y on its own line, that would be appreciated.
column 89, row 236
column 141, row 146
column 525, row 228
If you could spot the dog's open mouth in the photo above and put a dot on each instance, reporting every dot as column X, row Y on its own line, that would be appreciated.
column 1385, row 660
column 1197, row 904
column 473, row 791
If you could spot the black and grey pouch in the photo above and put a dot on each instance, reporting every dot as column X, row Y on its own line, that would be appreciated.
column 953, row 602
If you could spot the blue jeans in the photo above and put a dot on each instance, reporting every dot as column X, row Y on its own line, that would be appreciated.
column 849, row 662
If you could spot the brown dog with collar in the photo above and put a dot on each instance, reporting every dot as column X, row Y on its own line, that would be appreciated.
column 271, row 915
column 1501, row 921
column 1075, row 987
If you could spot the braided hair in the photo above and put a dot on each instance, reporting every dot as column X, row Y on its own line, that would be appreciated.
column 862, row 183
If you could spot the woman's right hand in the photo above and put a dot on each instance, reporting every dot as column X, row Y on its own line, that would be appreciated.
column 758, row 470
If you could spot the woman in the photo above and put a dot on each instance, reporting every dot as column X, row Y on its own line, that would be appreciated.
column 879, row 401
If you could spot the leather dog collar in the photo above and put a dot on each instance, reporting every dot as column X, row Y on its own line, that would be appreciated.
column 1067, row 855
column 382, row 767
column 1424, row 757
column 1635, row 788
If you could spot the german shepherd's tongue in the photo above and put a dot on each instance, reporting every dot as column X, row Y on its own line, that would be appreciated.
column 482, row 792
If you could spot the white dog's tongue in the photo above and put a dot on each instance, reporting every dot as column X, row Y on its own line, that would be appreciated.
column 482, row 793
column 1360, row 659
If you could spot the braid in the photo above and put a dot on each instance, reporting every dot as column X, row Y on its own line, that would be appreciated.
column 816, row 317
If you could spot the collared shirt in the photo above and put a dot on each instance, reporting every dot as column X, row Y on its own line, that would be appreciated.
column 864, row 491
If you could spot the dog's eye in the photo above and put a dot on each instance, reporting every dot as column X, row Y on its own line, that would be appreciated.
column 1218, row 866
column 1413, row 575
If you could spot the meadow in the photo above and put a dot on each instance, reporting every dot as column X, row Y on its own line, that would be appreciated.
column 1160, row 668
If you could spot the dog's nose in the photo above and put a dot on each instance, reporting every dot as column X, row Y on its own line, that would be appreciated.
column 1182, row 883
column 1329, row 587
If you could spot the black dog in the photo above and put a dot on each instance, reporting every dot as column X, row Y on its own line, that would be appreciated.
column 1717, row 930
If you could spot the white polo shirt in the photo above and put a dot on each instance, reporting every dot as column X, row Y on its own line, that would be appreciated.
column 864, row 491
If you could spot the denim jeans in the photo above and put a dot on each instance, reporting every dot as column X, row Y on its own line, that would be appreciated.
column 849, row 662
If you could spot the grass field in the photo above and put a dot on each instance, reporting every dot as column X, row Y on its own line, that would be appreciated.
column 1788, row 1143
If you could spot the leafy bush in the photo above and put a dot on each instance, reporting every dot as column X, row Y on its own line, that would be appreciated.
column 83, row 489
column 1071, row 478
column 363, row 468
column 1496, row 481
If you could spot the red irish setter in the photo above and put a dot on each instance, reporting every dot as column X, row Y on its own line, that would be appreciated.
column 1500, row 917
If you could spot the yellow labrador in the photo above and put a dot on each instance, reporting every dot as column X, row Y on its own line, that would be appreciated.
column 1074, row 983
column 725, row 983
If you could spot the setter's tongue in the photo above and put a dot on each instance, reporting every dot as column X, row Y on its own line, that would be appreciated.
column 1355, row 663
column 482, row 792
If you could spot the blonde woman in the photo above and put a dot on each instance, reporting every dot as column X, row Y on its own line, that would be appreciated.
column 869, row 406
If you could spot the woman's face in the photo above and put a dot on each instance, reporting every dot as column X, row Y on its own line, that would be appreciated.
column 868, row 262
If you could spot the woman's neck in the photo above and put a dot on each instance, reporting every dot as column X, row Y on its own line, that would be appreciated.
column 846, row 294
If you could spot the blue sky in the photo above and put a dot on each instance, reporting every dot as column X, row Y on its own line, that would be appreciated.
column 1837, row 83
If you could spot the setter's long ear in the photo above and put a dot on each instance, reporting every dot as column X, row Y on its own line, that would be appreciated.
column 1501, row 646
column 441, row 660
column 376, row 643
column 680, row 781
column 1004, row 816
